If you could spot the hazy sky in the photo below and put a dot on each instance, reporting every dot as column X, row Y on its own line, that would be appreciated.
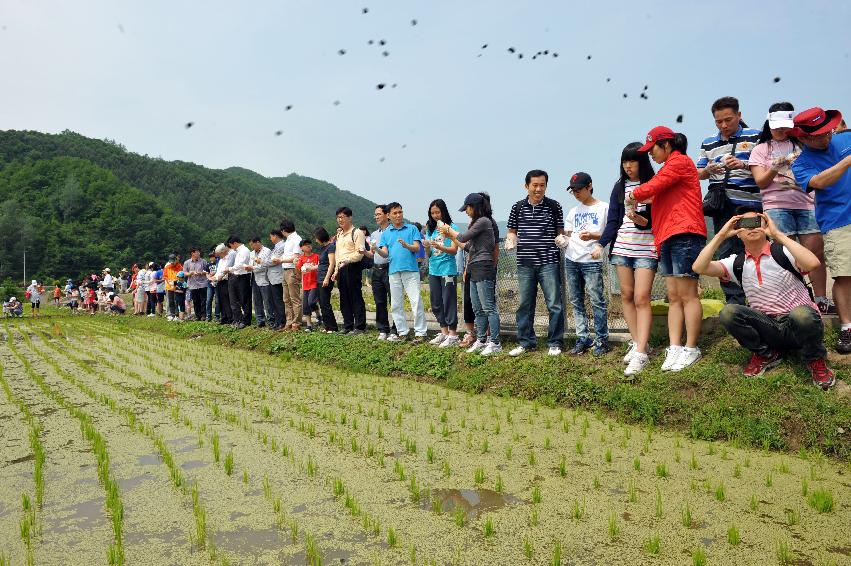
column 136, row 72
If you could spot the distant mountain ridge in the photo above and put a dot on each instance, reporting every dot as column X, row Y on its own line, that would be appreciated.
column 78, row 204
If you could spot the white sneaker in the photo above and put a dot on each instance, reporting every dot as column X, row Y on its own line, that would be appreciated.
column 150, row 315
column 169, row 318
column 396, row 338
column 518, row 351
column 449, row 342
column 687, row 357
column 629, row 353
column 492, row 349
column 671, row 355
column 554, row 351
column 637, row 362
column 439, row 337
column 382, row 336
column 477, row 345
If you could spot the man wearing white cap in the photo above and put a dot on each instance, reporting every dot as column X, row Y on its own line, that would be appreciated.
column 35, row 297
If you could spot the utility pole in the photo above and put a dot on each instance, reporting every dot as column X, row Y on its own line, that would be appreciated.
column 25, row 265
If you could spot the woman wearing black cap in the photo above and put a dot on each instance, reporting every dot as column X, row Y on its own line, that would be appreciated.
column 478, row 242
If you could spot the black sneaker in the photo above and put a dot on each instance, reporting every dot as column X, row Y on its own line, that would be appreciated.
column 826, row 307
column 580, row 347
column 358, row 332
column 602, row 347
column 343, row 331
column 843, row 343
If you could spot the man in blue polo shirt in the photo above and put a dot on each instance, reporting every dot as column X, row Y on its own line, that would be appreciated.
column 400, row 243
column 823, row 167
column 533, row 225
column 723, row 160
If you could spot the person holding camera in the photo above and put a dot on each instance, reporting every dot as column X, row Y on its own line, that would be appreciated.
column 724, row 161
column 781, row 315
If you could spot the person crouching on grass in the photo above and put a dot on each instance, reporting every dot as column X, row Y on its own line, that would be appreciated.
column 781, row 314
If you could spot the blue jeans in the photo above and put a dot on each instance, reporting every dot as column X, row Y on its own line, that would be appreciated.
column 483, row 297
column 677, row 254
column 527, row 282
column 582, row 278
column 211, row 294
column 793, row 221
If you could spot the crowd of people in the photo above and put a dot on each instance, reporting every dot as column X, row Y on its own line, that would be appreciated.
column 779, row 198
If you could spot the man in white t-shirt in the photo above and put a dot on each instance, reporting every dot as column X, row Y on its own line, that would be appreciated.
column 584, row 225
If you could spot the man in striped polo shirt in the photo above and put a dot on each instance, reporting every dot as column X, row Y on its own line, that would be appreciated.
column 723, row 160
column 533, row 225
column 781, row 314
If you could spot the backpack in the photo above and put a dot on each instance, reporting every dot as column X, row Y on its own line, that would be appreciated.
column 782, row 260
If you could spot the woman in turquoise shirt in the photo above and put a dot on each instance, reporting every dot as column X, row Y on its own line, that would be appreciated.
column 442, row 274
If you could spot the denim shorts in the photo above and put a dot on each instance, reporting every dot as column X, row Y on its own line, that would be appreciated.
column 792, row 221
column 678, row 254
column 634, row 262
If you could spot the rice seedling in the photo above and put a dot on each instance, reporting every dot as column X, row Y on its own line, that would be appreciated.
column 783, row 467
column 536, row 495
column 547, row 443
column 459, row 516
column 636, row 464
column 354, row 445
column 565, row 426
column 608, row 456
column 685, row 516
column 579, row 449
column 733, row 537
column 444, row 431
column 562, row 466
column 821, row 500
column 485, row 446
column 720, row 492
column 783, row 553
column 414, row 489
column 429, row 454
column 653, row 545
column 614, row 528
column 214, row 441
column 662, row 470
column 436, row 507
column 294, row 530
column 312, row 468
column 737, row 471
column 677, row 456
column 792, row 517
column 338, row 487
column 577, row 511
column 556, row 559
column 769, row 480
column 489, row 529
column 479, row 476
column 754, row 502
column 693, row 462
column 596, row 482
column 245, row 477
column 312, row 554
column 528, row 549
column 698, row 556
column 804, row 487
column 632, row 495
column 532, row 459
column 747, row 461
column 533, row 517
column 658, row 509
column 508, row 452
column 229, row 463
column 498, row 487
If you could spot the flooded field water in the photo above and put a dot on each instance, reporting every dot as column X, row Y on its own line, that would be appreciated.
column 129, row 447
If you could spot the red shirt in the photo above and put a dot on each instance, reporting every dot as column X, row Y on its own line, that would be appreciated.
column 677, row 201
column 308, row 278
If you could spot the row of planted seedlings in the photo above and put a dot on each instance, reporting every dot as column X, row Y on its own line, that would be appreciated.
column 89, row 431
column 225, row 462
column 29, row 524
column 661, row 470
column 369, row 522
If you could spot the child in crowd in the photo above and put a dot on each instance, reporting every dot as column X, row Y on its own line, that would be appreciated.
column 13, row 307
column 180, row 287
column 57, row 294
column 91, row 301
column 117, row 305
column 74, row 299
column 308, row 263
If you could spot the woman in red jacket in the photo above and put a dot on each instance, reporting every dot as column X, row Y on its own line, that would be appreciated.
column 680, row 233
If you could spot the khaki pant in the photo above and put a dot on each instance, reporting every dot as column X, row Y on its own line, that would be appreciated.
column 292, row 296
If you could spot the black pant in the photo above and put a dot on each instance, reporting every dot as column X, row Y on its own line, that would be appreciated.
column 469, row 315
column 199, row 302
column 172, row 303
column 351, row 298
column 733, row 291
column 277, row 311
column 259, row 302
column 381, row 294
column 444, row 300
column 152, row 303
column 801, row 329
column 223, row 302
column 239, row 289
column 329, row 321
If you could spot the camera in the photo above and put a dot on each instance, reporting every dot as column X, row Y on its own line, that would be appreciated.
column 749, row 222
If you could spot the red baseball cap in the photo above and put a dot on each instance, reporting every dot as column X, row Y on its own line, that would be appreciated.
column 815, row 122
column 656, row 134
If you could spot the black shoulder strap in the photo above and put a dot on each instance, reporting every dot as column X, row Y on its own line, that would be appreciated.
column 783, row 261
column 738, row 267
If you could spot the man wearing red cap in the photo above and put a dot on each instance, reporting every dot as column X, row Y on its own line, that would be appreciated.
column 823, row 167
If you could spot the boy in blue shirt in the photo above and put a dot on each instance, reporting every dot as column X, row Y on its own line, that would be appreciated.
column 400, row 242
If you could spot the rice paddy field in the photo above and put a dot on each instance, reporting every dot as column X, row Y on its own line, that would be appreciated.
column 129, row 447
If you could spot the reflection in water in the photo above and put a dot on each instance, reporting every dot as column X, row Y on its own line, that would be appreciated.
column 474, row 502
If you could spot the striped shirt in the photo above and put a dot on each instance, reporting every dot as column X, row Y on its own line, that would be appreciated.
column 769, row 287
column 630, row 241
column 537, row 226
column 744, row 190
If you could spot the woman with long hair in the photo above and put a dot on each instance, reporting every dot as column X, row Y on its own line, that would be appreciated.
column 791, row 209
column 442, row 274
column 679, row 229
column 479, row 242
column 633, row 253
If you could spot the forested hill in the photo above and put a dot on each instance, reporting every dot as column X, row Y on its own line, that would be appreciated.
column 78, row 204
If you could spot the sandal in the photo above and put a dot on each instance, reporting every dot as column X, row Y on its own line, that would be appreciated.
column 467, row 341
